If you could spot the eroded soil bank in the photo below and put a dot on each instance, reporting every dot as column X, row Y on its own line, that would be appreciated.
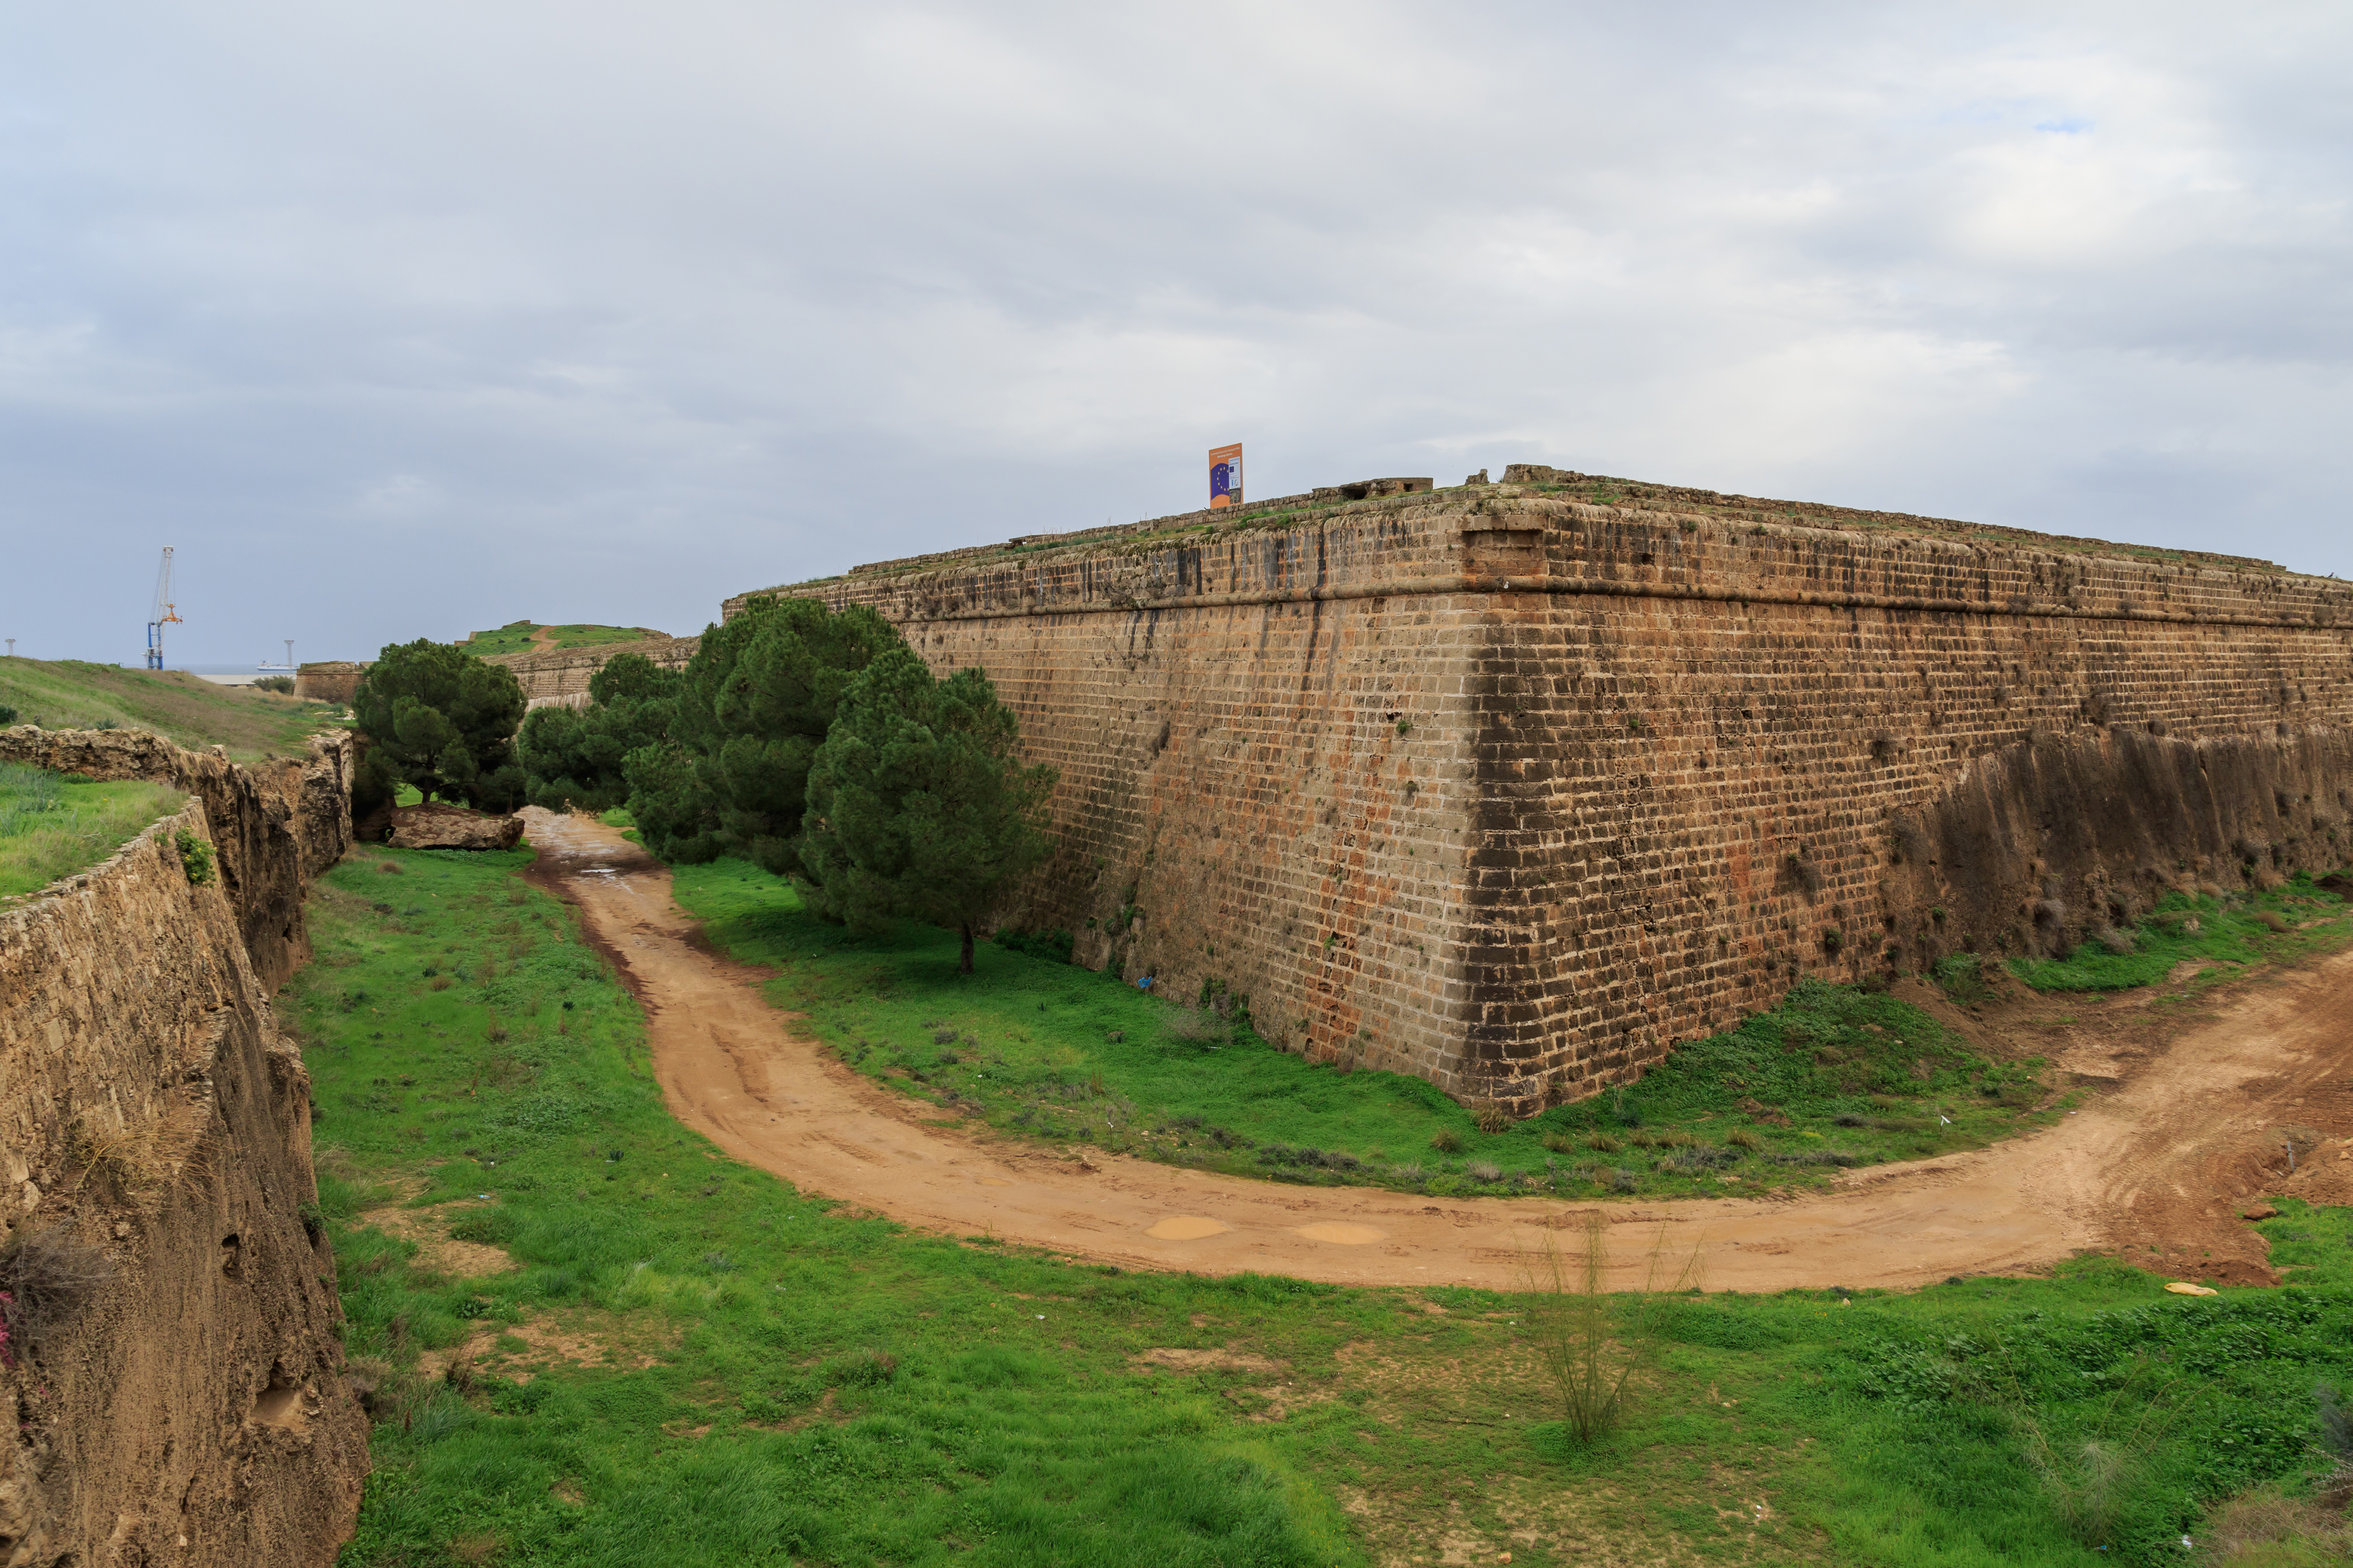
column 2181, row 1124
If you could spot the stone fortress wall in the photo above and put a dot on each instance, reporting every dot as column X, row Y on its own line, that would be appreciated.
column 195, row 1412
column 559, row 677
column 1516, row 785
column 549, row 677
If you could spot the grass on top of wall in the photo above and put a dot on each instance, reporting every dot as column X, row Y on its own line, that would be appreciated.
column 1834, row 1076
column 54, row 825
column 2239, row 930
column 248, row 724
column 655, row 1354
column 521, row 636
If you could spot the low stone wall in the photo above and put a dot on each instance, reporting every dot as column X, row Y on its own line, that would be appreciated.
column 194, row 1412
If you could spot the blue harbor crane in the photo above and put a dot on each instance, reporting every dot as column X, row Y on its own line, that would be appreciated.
column 161, row 615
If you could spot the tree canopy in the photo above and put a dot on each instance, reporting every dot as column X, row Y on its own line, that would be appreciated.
column 578, row 757
column 917, row 802
column 443, row 722
column 753, row 706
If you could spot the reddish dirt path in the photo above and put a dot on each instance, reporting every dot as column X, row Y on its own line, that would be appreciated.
column 2161, row 1159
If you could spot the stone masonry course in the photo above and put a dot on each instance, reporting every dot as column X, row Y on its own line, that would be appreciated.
column 1513, row 788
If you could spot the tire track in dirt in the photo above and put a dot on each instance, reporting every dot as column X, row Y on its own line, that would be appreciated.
column 2160, row 1161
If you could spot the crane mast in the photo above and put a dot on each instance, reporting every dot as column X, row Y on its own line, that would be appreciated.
column 161, row 615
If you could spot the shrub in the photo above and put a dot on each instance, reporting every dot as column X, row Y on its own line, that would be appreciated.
column 1559, row 1142
column 1602, row 1144
column 1962, row 976
column 1494, row 1118
column 46, row 1277
column 7, row 715
column 390, row 867
column 196, row 857
column 279, row 683
column 1743, row 1139
column 1446, row 1141
column 1483, row 1171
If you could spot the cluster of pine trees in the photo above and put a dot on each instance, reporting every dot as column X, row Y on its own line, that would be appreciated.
column 813, row 742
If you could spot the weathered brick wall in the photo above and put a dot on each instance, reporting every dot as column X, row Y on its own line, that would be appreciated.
column 1514, row 791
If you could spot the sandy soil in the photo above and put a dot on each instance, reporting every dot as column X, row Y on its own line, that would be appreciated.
column 2191, row 1109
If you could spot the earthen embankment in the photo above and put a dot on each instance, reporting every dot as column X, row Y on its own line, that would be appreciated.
column 192, row 1411
column 1515, row 788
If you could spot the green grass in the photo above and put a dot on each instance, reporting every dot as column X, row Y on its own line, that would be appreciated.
column 54, row 825
column 247, row 724
column 516, row 636
column 2281, row 924
column 783, row 1382
column 1833, row 1077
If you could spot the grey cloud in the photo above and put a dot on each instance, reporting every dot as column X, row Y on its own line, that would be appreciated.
column 401, row 321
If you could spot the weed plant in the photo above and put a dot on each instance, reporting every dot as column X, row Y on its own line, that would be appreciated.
column 754, row 1376
column 1834, row 1076
column 2236, row 928
column 54, row 825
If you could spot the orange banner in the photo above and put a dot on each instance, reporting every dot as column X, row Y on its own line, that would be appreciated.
column 1225, row 474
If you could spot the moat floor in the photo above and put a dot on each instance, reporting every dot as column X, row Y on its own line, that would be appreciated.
column 2181, row 1128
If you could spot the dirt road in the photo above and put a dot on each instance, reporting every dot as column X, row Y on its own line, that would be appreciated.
column 2172, row 1141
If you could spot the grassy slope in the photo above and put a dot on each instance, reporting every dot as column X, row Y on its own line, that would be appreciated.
column 246, row 723
column 517, row 637
column 1048, row 1049
column 821, row 1387
column 2236, row 929
column 52, row 825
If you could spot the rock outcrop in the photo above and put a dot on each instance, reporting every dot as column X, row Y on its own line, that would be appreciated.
column 154, row 1124
column 437, row 826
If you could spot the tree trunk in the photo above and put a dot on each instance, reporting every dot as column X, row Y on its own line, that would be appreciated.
column 966, row 966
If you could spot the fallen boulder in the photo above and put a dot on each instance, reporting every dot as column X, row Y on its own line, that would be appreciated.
column 436, row 827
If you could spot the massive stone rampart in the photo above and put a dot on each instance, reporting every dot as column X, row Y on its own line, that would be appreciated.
column 560, row 677
column 1513, row 789
column 195, row 1411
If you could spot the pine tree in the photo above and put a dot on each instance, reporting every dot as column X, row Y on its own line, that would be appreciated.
column 441, row 720
column 753, row 707
column 918, row 803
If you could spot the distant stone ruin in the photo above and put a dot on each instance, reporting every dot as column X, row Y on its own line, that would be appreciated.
column 1516, row 785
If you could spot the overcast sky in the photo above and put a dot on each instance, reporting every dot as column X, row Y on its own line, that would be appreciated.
column 403, row 321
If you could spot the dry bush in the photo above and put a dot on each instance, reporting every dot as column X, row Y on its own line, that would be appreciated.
column 1741, row 1138
column 1602, row 1144
column 1494, row 1118
column 46, row 1277
column 2114, row 941
column 1591, row 1352
column 1559, row 1142
column 1483, row 1171
column 139, row 1159
column 2240, row 1530
column 1446, row 1141
column 2270, row 920
column 1193, row 1026
column 391, row 867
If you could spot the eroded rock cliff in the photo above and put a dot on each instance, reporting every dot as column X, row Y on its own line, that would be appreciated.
column 154, row 1132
